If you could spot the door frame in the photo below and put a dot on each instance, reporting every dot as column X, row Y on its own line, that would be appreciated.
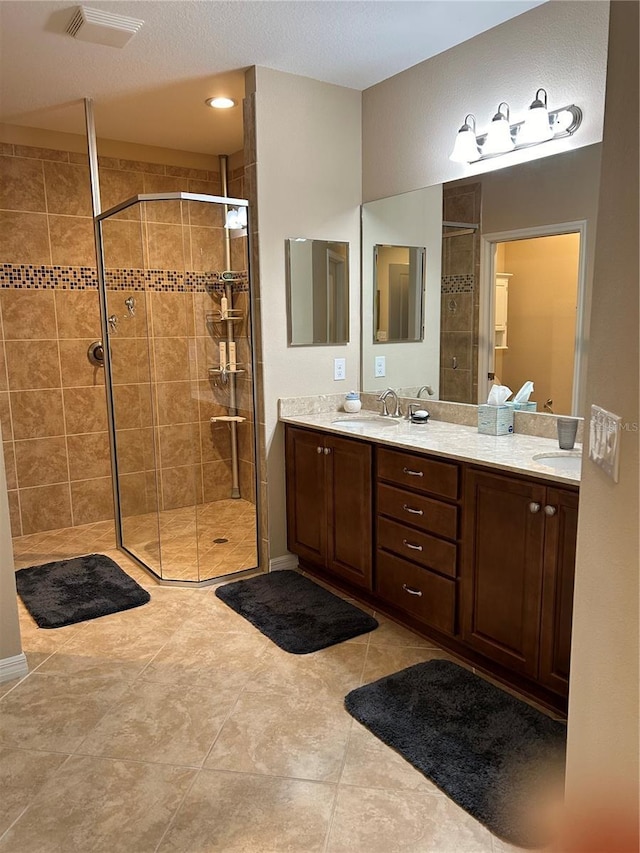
column 486, row 332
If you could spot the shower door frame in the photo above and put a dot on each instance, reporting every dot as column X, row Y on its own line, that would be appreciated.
column 102, row 292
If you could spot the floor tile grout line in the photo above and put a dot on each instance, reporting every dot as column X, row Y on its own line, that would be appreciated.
column 235, row 705
column 37, row 793
column 346, row 752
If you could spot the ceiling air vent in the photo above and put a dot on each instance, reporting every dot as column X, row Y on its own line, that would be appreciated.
column 102, row 27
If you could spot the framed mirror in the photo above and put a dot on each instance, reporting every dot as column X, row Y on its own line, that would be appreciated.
column 398, row 290
column 475, row 231
column 317, row 292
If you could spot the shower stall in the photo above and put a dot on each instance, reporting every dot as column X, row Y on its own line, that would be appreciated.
column 174, row 291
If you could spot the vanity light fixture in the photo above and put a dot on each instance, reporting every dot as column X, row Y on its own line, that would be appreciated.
column 236, row 218
column 220, row 103
column 540, row 125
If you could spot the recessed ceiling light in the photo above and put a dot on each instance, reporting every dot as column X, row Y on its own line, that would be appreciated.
column 220, row 103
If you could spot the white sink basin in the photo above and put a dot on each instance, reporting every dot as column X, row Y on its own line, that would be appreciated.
column 360, row 423
column 567, row 460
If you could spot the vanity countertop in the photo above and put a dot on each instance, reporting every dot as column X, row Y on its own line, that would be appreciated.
column 513, row 453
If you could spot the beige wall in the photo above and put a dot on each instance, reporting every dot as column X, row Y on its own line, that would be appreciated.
column 603, row 701
column 541, row 325
column 410, row 120
column 308, row 185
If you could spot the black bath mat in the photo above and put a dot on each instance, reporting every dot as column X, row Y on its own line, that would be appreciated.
column 297, row 614
column 68, row 591
column 490, row 752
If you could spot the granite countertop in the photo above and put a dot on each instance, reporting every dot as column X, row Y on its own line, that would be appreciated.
column 512, row 452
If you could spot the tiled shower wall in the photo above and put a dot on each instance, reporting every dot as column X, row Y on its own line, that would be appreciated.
column 459, row 313
column 52, row 401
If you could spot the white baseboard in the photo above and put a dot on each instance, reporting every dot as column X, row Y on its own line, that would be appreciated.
column 14, row 667
column 288, row 561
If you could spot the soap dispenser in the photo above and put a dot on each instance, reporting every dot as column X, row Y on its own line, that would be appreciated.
column 352, row 402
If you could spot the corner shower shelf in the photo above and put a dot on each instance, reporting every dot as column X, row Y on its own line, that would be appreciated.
column 232, row 315
column 217, row 371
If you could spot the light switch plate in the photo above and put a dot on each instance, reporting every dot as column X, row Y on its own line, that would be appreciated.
column 339, row 368
column 604, row 440
column 380, row 366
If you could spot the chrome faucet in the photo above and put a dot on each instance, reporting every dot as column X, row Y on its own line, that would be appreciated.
column 426, row 388
column 385, row 407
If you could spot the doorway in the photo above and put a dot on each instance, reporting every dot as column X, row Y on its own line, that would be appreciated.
column 533, row 319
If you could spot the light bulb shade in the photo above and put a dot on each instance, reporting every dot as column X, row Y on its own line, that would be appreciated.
column 465, row 149
column 498, row 139
column 236, row 218
column 536, row 127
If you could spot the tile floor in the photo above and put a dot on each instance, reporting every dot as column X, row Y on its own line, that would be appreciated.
column 177, row 726
column 178, row 544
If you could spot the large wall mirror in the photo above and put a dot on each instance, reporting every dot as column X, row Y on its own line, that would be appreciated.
column 317, row 292
column 508, row 270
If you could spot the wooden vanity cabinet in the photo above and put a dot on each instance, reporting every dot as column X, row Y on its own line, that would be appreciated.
column 481, row 561
column 417, row 526
column 329, row 503
column 517, row 578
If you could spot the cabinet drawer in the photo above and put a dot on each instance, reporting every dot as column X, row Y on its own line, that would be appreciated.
column 419, row 473
column 426, row 596
column 425, row 513
column 417, row 546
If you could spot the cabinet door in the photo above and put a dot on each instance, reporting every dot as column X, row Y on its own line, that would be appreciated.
column 349, row 510
column 502, row 573
column 306, row 497
column 561, row 530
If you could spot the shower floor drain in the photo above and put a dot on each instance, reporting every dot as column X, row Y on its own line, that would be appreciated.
column 220, row 540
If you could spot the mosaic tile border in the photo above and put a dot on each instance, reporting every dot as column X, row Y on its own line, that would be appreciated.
column 49, row 277
column 458, row 283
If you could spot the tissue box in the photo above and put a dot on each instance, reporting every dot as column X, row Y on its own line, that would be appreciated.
column 495, row 420
column 523, row 407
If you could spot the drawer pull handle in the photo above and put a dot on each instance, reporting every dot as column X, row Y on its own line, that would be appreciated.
column 413, row 473
column 410, row 545
column 411, row 590
column 412, row 510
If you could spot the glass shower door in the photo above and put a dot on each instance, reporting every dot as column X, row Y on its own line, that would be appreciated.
column 182, row 388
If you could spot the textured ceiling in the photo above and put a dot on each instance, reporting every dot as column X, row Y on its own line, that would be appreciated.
column 153, row 90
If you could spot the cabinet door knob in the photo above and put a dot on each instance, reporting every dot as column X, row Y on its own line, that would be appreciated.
column 550, row 510
column 411, row 590
column 412, row 510
column 412, row 546
column 534, row 506
column 327, row 451
column 413, row 473
column 318, row 450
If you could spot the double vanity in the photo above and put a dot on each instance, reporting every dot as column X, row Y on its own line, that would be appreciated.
column 468, row 539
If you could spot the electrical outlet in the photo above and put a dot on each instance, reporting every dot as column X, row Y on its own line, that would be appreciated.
column 339, row 368
column 380, row 366
column 604, row 440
